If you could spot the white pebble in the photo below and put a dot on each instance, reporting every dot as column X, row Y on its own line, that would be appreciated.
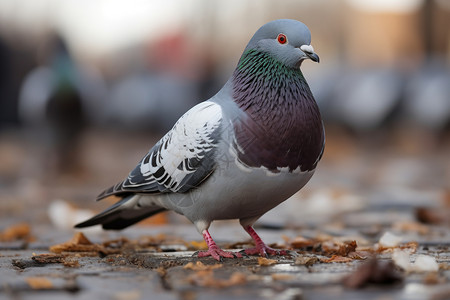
column 402, row 259
column 390, row 240
column 425, row 263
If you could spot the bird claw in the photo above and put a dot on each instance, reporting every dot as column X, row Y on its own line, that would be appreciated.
column 218, row 254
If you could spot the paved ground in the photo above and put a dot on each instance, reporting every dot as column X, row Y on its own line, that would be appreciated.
column 337, row 227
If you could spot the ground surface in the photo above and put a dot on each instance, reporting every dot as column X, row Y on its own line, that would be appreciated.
column 372, row 224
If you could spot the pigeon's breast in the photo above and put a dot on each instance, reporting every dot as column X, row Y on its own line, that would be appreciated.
column 290, row 141
column 281, row 127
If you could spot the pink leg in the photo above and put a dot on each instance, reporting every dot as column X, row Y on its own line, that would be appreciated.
column 214, row 250
column 260, row 247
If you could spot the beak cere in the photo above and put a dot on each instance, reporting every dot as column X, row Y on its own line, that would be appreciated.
column 309, row 51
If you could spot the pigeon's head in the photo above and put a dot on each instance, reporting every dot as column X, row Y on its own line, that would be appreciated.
column 288, row 41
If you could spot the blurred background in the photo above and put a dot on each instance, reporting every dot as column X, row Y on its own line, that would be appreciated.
column 87, row 87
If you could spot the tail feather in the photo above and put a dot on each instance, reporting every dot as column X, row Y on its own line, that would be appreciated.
column 122, row 214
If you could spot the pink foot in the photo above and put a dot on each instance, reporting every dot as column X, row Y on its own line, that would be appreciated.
column 214, row 250
column 261, row 248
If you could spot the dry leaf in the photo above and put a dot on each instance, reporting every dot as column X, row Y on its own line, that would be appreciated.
column 411, row 247
column 262, row 261
column 301, row 242
column 282, row 276
column 373, row 271
column 338, row 248
column 433, row 278
column 21, row 231
column 436, row 216
column 411, row 226
column 357, row 255
column 71, row 262
column 199, row 266
column 206, row 279
column 199, row 245
column 80, row 243
column 336, row 259
column 306, row 260
column 49, row 258
column 39, row 283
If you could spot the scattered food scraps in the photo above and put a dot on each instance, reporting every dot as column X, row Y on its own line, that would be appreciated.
column 21, row 231
column 373, row 271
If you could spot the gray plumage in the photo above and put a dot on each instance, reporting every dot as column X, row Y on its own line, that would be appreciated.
column 240, row 153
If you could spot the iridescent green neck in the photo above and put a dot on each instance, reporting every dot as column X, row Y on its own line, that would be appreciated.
column 261, row 78
column 261, row 63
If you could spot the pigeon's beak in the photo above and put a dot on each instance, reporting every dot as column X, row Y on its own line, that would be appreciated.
column 309, row 52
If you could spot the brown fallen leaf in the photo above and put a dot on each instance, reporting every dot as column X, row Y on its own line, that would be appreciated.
column 160, row 239
column 240, row 245
column 206, row 279
column 198, row 245
column 435, row 216
column 199, row 266
column 338, row 248
column 373, row 271
column 116, row 243
column 300, row 242
column 80, row 243
column 282, row 277
column 306, row 260
column 358, row 255
column 433, row 278
column 21, row 231
column 50, row 258
column 71, row 262
column 39, row 283
column 411, row 226
column 336, row 259
column 411, row 247
column 262, row 261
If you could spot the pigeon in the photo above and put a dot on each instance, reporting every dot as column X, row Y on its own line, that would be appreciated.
column 51, row 105
column 237, row 155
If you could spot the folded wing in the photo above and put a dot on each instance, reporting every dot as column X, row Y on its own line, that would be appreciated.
column 181, row 160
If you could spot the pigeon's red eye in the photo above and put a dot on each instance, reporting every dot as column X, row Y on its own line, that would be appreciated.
column 282, row 39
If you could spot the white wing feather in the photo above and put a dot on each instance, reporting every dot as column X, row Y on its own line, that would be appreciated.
column 182, row 159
